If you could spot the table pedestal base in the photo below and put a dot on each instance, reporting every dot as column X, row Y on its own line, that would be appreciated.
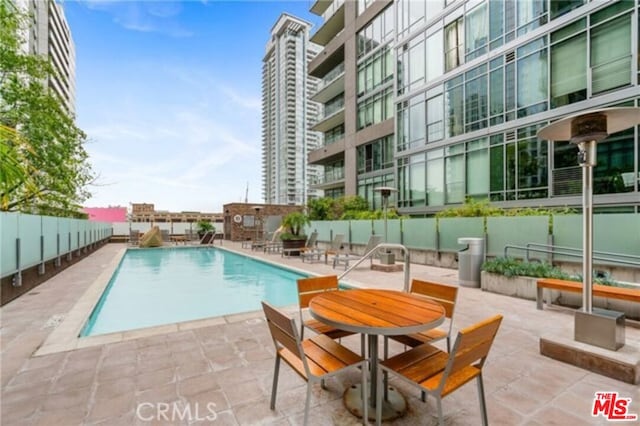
column 395, row 406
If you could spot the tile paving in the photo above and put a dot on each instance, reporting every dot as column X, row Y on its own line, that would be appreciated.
column 229, row 363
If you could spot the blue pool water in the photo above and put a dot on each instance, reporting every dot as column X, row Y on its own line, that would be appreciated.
column 162, row 286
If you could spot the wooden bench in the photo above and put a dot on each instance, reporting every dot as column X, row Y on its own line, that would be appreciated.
column 599, row 290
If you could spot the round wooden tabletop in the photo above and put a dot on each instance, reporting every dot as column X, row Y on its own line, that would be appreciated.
column 382, row 312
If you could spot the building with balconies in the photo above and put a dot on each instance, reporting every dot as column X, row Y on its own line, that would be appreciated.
column 288, row 113
column 442, row 99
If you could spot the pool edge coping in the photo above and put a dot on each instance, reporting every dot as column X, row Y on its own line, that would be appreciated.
column 66, row 336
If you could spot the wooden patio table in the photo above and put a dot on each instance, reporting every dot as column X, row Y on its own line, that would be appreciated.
column 376, row 313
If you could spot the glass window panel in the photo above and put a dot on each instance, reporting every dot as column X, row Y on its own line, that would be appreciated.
column 532, row 79
column 454, row 44
column 530, row 15
column 416, row 63
column 433, row 8
column 569, row 71
column 403, row 69
column 510, row 170
column 478, row 172
column 560, row 7
column 611, row 55
column 435, row 182
column 476, row 32
column 435, row 128
column 403, row 127
column 417, row 123
column 455, row 179
column 416, row 13
column 476, row 103
column 434, row 56
column 377, row 71
column 417, row 182
column 496, row 20
column 532, row 164
column 496, row 94
column 455, row 110
column 496, row 170
column 615, row 170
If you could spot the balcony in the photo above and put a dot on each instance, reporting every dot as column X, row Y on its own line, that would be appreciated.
column 331, row 85
column 331, row 28
column 318, row 7
column 328, row 180
column 333, row 116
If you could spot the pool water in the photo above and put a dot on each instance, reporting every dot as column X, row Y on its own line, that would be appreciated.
column 163, row 286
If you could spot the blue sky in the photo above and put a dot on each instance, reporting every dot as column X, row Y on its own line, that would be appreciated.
column 169, row 94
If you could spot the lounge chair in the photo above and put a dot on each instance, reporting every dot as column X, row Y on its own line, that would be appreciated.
column 334, row 248
column 345, row 258
column 275, row 238
column 134, row 237
column 275, row 245
column 164, row 234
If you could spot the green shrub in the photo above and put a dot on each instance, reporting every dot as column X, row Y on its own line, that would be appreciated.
column 510, row 267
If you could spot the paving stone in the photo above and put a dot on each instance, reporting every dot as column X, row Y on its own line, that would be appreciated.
column 105, row 408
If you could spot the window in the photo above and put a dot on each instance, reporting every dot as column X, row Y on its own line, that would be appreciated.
column 417, row 125
column 476, row 32
column 569, row 70
column 454, row 173
column 434, row 55
column 478, row 168
column 375, row 109
column 416, row 62
column 532, row 78
column 435, row 178
column 531, row 14
column 375, row 71
column 435, row 118
column 560, row 7
column 378, row 32
column 496, row 92
column 411, row 14
column 454, row 106
column 611, row 55
column 376, row 155
column 454, row 44
column 476, row 99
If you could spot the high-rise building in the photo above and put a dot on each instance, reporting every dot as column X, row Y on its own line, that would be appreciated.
column 442, row 99
column 49, row 36
column 288, row 113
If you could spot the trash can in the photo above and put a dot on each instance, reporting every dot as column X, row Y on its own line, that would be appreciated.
column 470, row 261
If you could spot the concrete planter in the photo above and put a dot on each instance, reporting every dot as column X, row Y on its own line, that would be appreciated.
column 525, row 288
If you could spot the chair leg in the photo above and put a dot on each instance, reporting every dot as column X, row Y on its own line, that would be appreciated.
column 307, row 403
column 323, row 384
column 423, row 396
column 440, row 416
column 365, row 396
column 483, row 404
column 448, row 344
column 362, row 346
column 274, row 388
column 379, row 398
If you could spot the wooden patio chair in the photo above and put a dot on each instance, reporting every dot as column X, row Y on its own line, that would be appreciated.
column 438, row 373
column 313, row 359
column 307, row 289
column 446, row 295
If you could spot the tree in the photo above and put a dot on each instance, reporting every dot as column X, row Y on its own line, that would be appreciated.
column 38, row 132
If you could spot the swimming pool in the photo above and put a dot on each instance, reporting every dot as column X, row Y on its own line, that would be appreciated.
column 152, row 287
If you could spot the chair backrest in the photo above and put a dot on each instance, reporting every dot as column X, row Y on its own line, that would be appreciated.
column 337, row 242
column 471, row 349
column 374, row 240
column 445, row 295
column 164, row 234
column 312, row 239
column 276, row 236
column 134, row 235
column 283, row 331
column 312, row 286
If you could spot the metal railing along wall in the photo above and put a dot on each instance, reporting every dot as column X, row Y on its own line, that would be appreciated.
column 602, row 256
column 27, row 241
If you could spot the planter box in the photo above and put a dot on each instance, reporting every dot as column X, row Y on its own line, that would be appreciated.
column 290, row 245
column 525, row 288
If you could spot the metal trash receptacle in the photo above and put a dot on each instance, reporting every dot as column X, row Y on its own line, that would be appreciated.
column 470, row 261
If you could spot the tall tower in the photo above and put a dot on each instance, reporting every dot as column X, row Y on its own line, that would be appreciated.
column 287, row 114
column 49, row 36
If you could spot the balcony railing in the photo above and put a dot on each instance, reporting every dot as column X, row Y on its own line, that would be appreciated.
column 331, row 76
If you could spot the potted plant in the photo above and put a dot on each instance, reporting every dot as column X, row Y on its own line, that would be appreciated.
column 294, row 224
column 203, row 227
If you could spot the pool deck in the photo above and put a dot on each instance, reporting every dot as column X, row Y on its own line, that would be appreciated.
column 228, row 361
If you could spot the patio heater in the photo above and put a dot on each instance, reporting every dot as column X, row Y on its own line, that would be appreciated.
column 598, row 327
column 257, row 221
column 386, row 258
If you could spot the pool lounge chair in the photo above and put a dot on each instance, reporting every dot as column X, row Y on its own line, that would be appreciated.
column 134, row 237
column 345, row 258
column 275, row 238
column 316, row 254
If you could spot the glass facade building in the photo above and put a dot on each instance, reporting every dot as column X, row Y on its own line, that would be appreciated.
column 473, row 82
column 287, row 114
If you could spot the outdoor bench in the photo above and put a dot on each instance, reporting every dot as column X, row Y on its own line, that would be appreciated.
column 599, row 290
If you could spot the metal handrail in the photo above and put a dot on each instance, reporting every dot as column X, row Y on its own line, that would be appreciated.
column 605, row 253
column 551, row 251
column 403, row 249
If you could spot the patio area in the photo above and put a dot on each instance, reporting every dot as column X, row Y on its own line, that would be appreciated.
column 229, row 362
